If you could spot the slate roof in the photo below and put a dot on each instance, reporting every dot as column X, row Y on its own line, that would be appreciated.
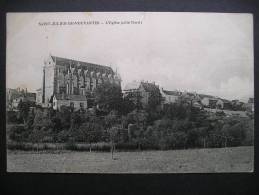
column 85, row 65
column 175, row 93
column 132, row 85
column 16, row 94
column 206, row 96
column 150, row 87
column 225, row 101
column 28, row 94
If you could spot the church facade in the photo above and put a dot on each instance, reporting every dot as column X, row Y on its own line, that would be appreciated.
column 67, row 81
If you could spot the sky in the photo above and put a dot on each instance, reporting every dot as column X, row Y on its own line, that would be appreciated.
column 209, row 53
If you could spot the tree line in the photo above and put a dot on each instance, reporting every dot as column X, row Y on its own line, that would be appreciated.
column 126, row 125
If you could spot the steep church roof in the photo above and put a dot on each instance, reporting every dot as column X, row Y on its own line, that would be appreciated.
column 75, row 63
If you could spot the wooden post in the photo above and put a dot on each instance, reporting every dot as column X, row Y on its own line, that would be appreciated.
column 225, row 142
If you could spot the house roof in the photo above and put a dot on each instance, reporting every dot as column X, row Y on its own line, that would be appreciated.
column 225, row 101
column 132, row 85
column 85, row 65
column 205, row 96
column 150, row 87
column 213, row 100
column 71, row 97
column 175, row 93
column 196, row 104
column 28, row 94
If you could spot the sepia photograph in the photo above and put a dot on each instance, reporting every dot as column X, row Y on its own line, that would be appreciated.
column 129, row 92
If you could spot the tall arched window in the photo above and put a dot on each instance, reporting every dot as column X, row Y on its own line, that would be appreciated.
column 72, row 92
column 67, row 88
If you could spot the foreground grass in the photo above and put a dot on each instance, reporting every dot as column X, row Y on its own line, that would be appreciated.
column 236, row 159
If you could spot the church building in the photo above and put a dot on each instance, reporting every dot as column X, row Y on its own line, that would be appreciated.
column 71, row 82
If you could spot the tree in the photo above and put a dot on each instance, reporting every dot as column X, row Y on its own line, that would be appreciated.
column 154, row 100
column 24, row 108
column 42, row 119
column 225, row 134
column 75, row 120
column 249, row 132
column 111, row 119
column 64, row 116
column 12, row 117
column 88, row 132
column 37, row 136
column 126, row 106
column 18, row 133
column 150, row 137
column 30, row 121
column 138, row 116
column 113, row 134
column 108, row 96
column 181, row 139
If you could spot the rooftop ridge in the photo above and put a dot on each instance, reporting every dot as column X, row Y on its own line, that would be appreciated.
column 81, row 62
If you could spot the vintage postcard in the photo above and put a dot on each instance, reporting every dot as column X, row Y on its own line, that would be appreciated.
column 130, row 92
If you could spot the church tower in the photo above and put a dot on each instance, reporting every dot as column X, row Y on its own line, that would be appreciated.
column 48, row 81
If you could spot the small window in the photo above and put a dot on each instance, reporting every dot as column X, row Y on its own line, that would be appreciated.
column 81, row 105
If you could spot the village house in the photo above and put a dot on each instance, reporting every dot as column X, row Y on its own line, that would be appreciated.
column 223, row 104
column 197, row 105
column 140, row 92
column 76, row 102
column 237, row 105
column 15, row 96
column 190, row 98
column 169, row 97
column 208, row 101
column 39, row 96
column 249, row 106
column 131, row 91
column 11, row 94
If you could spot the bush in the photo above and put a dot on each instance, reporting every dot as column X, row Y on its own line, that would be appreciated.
column 11, row 117
column 70, row 145
column 101, row 146
column 62, row 136
column 35, row 147
column 19, row 133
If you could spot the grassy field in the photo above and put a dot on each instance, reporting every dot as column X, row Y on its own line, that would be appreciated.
column 236, row 159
